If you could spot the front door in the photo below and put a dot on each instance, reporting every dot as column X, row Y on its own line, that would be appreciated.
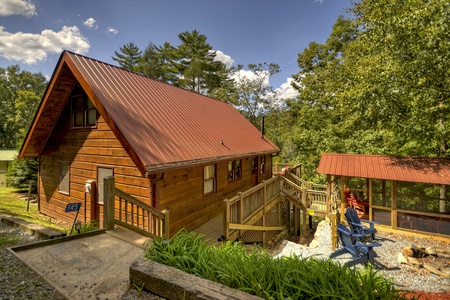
column 255, row 171
column 102, row 172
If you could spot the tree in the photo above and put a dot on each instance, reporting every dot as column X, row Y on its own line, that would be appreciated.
column 196, row 66
column 129, row 57
column 158, row 62
column 402, row 63
column 380, row 82
column 20, row 93
column 255, row 96
column 22, row 172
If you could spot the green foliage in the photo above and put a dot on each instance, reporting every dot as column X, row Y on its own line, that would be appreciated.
column 129, row 57
column 22, row 172
column 259, row 274
column 20, row 92
column 255, row 97
column 87, row 227
column 378, row 85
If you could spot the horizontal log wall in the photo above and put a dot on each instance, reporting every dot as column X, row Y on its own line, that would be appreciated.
column 181, row 192
column 85, row 149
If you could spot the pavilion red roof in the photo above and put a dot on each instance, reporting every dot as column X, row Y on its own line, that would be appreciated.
column 431, row 170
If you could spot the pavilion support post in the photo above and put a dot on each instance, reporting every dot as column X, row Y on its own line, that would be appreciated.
column 334, row 235
column 442, row 200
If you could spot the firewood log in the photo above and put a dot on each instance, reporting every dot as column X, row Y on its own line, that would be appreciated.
column 413, row 251
column 443, row 255
column 414, row 262
column 446, row 272
column 442, row 250
column 430, row 251
column 433, row 269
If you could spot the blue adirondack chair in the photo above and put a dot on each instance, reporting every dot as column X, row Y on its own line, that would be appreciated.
column 356, row 227
column 362, row 253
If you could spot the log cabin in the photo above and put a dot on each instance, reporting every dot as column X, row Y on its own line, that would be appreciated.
column 168, row 147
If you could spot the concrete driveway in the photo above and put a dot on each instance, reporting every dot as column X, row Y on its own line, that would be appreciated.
column 86, row 266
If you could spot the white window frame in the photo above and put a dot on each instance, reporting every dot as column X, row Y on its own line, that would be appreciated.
column 64, row 177
column 209, row 179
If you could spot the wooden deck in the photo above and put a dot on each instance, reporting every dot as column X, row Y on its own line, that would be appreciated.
column 212, row 230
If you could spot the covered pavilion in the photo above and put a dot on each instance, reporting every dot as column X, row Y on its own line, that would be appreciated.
column 407, row 193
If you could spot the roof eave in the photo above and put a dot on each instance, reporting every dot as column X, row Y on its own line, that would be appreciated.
column 171, row 166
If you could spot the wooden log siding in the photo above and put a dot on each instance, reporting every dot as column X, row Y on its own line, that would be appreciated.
column 181, row 192
column 86, row 149
column 248, row 210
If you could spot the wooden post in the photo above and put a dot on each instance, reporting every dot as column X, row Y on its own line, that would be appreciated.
column 108, row 209
column 166, row 233
column 241, row 211
column 226, row 219
column 333, row 220
column 394, row 204
column 30, row 185
column 305, row 211
column 264, row 214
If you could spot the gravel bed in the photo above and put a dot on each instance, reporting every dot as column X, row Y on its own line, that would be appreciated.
column 405, row 277
column 18, row 281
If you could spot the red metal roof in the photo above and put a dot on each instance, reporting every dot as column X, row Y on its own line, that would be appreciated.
column 164, row 125
column 411, row 169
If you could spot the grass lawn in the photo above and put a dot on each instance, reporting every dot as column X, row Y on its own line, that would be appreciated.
column 12, row 204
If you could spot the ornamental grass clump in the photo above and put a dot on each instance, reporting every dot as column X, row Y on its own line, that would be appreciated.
column 257, row 273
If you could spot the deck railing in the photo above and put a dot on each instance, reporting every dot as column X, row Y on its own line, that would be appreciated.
column 254, row 215
column 303, row 183
column 124, row 210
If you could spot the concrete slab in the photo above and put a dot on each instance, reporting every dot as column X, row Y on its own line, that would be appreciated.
column 94, row 265
column 40, row 231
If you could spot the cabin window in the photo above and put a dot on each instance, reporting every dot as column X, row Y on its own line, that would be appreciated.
column 101, row 174
column 234, row 170
column 64, row 177
column 209, row 179
column 84, row 113
column 262, row 160
column 3, row 167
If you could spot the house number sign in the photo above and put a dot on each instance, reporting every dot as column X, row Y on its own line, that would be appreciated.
column 73, row 207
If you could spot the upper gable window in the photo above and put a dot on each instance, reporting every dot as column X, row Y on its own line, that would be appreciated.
column 84, row 113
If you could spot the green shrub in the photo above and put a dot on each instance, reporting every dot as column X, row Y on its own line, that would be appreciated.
column 259, row 274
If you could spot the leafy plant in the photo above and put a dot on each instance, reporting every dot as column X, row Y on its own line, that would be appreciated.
column 259, row 274
column 139, row 288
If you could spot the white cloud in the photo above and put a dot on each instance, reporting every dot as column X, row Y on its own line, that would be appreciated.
column 113, row 30
column 247, row 75
column 90, row 23
column 286, row 91
column 31, row 48
column 17, row 7
column 226, row 59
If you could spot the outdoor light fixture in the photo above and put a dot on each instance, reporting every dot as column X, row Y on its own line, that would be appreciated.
column 77, row 226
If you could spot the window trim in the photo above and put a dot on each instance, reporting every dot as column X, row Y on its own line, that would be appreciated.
column 62, row 177
column 214, row 178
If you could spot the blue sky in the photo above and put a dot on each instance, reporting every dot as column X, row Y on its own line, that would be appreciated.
column 34, row 32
